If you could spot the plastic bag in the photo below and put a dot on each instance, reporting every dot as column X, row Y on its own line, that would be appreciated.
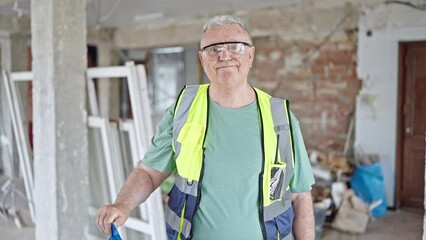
column 368, row 184
column 115, row 235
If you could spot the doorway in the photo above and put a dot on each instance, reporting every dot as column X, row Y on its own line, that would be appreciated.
column 411, row 126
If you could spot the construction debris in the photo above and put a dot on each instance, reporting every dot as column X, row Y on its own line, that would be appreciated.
column 353, row 215
column 335, row 204
column 333, row 162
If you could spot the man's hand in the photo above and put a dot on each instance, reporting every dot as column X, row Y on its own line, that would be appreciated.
column 115, row 213
column 137, row 188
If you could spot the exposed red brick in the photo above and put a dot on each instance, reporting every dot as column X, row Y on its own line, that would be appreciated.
column 325, row 85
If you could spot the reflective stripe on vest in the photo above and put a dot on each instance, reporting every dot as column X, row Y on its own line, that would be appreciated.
column 189, row 130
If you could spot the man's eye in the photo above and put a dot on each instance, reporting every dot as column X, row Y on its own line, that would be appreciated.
column 216, row 49
column 233, row 47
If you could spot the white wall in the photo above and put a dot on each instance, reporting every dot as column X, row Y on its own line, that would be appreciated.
column 376, row 109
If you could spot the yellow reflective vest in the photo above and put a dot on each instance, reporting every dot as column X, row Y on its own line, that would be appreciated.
column 189, row 130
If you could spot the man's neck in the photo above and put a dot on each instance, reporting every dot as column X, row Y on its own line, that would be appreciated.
column 232, row 97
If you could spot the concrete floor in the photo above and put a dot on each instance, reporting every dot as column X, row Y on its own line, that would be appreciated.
column 397, row 225
column 8, row 229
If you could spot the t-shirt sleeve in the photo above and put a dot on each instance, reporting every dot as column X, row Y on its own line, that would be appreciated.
column 303, row 178
column 160, row 154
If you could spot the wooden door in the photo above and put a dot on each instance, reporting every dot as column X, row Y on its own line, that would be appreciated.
column 413, row 124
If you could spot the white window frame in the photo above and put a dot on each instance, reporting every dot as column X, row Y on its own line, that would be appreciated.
column 142, row 125
column 22, row 141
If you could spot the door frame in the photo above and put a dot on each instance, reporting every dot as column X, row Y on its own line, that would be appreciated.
column 402, row 45
column 400, row 124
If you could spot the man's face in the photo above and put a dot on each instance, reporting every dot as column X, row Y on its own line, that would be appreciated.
column 226, row 67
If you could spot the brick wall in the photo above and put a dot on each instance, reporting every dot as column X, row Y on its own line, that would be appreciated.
column 322, row 92
column 321, row 85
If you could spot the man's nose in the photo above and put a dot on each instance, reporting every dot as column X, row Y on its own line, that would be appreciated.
column 224, row 55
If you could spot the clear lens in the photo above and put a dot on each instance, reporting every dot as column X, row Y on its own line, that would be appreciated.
column 235, row 49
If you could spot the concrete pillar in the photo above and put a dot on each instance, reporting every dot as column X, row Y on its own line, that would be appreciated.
column 60, row 119
column 13, row 58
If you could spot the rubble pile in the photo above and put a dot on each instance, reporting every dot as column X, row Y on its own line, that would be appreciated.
column 336, row 204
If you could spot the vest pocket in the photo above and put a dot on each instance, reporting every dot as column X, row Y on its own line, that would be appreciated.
column 191, row 134
column 189, row 159
column 276, row 181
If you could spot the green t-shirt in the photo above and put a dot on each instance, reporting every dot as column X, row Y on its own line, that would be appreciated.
column 233, row 160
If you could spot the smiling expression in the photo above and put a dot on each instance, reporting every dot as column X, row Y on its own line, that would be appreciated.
column 226, row 69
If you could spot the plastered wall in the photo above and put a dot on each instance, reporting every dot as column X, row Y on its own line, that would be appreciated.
column 376, row 107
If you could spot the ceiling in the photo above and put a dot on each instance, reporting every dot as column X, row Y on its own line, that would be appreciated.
column 120, row 13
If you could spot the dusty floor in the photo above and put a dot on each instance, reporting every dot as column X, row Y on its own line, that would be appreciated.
column 401, row 225
column 397, row 225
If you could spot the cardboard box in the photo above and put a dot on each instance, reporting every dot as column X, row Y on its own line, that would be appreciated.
column 353, row 214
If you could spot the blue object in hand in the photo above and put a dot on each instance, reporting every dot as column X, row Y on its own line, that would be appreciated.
column 115, row 235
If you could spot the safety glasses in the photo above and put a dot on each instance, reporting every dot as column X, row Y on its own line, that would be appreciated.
column 234, row 48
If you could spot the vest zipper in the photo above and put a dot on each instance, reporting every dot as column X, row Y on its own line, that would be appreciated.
column 261, row 218
column 202, row 165
column 197, row 204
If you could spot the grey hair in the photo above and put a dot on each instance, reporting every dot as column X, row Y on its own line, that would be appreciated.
column 223, row 20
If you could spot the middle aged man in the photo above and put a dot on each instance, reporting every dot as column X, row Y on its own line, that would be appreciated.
column 242, row 170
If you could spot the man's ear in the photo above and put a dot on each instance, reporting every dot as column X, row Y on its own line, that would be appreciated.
column 200, row 56
column 251, row 55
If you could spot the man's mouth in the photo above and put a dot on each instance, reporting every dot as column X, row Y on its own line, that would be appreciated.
column 227, row 66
